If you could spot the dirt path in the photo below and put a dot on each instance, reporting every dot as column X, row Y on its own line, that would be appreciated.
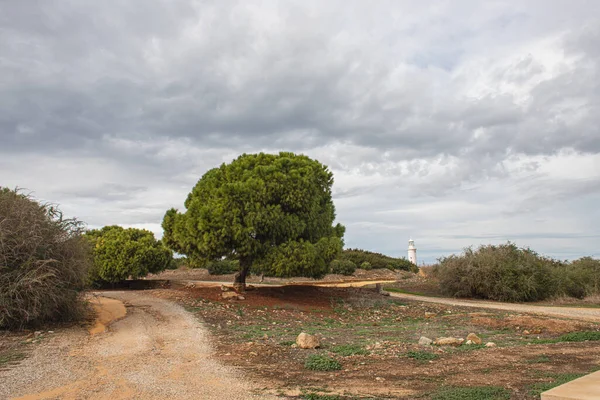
column 157, row 351
column 582, row 314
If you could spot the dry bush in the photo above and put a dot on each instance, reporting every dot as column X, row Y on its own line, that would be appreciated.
column 43, row 262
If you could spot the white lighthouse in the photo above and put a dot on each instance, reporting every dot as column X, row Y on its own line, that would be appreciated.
column 412, row 252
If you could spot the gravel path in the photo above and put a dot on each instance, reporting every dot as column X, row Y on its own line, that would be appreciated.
column 577, row 313
column 158, row 351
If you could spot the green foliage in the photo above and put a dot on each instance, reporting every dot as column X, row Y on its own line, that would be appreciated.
column 372, row 260
column 273, row 213
column 504, row 273
column 223, row 267
column 349, row 350
column 319, row 362
column 366, row 266
column 560, row 379
column 342, row 267
column 580, row 336
column 509, row 273
column 472, row 393
column 422, row 355
column 120, row 254
column 43, row 262
column 317, row 396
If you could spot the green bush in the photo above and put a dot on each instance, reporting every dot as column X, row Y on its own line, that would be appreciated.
column 223, row 267
column 580, row 336
column 319, row 362
column 504, row 273
column 349, row 350
column 376, row 260
column 422, row 355
column 342, row 267
column 43, row 263
column 121, row 254
column 366, row 266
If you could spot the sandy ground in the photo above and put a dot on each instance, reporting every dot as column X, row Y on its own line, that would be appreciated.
column 580, row 314
column 157, row 351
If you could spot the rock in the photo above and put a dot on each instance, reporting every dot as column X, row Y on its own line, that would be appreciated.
column 430, row 315
column 469, row 342
column 253, row 353
column 294, row 346
column 229, row 295
column 50, row 332
column 37, row 333
column 306, row 341
column 490, row 344
column 425, row 341
column 380, row 379
column 224, row 288
column 525, row 332
column 448, row 341
column 241, row 298
column 474, row 338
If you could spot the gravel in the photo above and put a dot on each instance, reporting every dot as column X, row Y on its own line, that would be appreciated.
column 157, row 351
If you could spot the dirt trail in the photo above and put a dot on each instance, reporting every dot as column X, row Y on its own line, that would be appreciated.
column 581, row 314
column 157, row 351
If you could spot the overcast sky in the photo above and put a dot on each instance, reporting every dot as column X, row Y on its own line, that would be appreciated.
column 455, row 122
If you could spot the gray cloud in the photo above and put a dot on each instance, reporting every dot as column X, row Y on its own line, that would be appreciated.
column 411, row 105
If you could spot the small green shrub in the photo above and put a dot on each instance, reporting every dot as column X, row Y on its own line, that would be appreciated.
column 366, row 266
column 320, row 362
column 342, row 267
column 349, row 350
column 472, row 393
column 317, row 396
column 537, row 388
column 580, row 336
column 422, row 355
column 223, row 267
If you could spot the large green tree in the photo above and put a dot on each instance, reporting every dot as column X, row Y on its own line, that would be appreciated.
column 121, row 253
column 272, row 213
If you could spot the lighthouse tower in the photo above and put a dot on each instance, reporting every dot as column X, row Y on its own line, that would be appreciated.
column 412, row 252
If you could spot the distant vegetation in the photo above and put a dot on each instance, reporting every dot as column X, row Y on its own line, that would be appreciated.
column 369, row 260
column 120, row 254
column 43, row 262
column 509, row 273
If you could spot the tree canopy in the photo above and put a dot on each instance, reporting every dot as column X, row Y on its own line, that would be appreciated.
column 272, row 213
column 121, row 253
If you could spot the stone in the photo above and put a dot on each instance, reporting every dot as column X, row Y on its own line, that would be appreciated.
column 425, row 341
column 229, row 295
column 490, row 344
column 241, row 298
column 306, row 341
column 474, row 338
column 525, row 332
column 448, row 341
column 469, row 342
column 224, row 288
column 37, row 333
column 430, row 315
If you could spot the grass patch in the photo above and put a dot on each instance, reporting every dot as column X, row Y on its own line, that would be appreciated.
column 472, row 393
column 537, row 388
column 10, row 357
column 580, row 336
column 349, row 350
column 319, row 362
column 287, row 343
column 317, row 396
column 540, row 359
column 422, row 355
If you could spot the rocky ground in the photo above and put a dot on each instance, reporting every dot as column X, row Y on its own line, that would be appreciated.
column 375, row 339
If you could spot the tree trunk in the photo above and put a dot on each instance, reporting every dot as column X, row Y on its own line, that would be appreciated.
column 239, row 280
